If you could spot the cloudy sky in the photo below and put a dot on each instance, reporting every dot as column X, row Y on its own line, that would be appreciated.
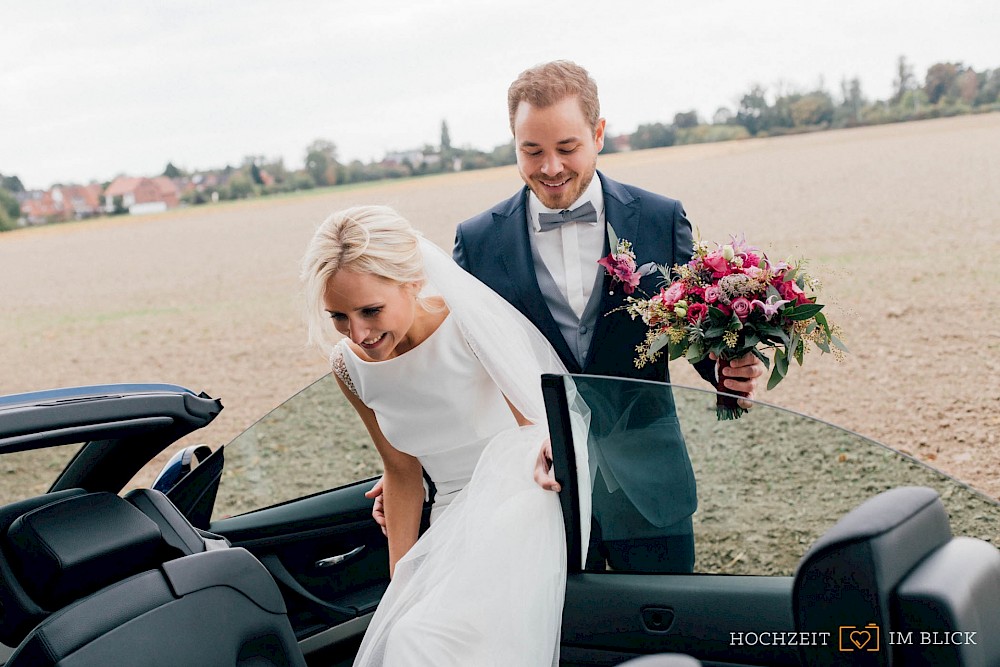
column 92, row 89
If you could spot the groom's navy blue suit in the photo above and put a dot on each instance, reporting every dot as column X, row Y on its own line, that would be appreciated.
column 494, row 246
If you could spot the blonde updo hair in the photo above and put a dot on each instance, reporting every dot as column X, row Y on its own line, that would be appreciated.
column 366, row 239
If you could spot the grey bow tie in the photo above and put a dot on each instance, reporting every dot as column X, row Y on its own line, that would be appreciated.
column 583, row 213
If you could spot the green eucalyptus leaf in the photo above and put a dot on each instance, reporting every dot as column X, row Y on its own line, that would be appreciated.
column 781, row 361
column 659, row 343
column 714, row 332
column 837, row 343
column 717, row 315
column 821, row 320
column 803, row 312
column 763, row 357
column 775, row 378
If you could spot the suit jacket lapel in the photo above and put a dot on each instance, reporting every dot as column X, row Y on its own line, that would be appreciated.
column 621, row 210
column 513, row 251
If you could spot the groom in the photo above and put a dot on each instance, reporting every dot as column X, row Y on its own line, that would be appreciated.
column 539, row 250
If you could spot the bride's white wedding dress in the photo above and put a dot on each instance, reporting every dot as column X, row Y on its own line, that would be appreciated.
column 485, row 584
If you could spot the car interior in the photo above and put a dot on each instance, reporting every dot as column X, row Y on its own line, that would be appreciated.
column 91, row 577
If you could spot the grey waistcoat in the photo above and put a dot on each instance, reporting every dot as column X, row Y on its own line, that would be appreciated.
column 578, row 331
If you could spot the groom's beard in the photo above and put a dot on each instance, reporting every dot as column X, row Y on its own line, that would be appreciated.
column 577, row 185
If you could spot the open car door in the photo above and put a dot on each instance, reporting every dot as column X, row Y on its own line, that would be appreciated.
column 640, row 461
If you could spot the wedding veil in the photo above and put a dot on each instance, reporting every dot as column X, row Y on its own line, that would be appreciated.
column 513, row 351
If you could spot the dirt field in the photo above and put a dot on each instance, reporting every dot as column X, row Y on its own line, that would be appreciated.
column 901, row 221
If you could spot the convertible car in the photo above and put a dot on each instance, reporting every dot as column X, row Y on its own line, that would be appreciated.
column 813, row 545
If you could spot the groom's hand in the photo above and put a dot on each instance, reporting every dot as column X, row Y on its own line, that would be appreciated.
column 544, row 476
column 742, row 376
column 378, row 510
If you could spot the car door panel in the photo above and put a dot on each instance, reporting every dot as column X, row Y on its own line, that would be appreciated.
column 296, row 542
column 615, row 616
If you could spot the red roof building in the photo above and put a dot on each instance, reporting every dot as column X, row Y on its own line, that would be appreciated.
column 142, row 195
column 62, row 202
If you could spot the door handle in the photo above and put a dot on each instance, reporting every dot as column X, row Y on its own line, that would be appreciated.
column 337, row 560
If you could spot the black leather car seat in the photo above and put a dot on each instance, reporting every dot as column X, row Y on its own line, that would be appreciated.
column 954, row 597
column 176, row 530
column 891, row 565
column 213, row 607
column 19, row 612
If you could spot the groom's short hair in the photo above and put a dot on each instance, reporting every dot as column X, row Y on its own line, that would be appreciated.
column 544, row 85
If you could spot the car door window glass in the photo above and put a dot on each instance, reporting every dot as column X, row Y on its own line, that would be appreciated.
column 754, row 492
column 312, row 442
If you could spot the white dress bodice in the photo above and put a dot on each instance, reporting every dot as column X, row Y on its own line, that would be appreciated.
column 450, row 409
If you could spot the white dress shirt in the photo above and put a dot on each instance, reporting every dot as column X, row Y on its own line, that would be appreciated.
column 570, row 252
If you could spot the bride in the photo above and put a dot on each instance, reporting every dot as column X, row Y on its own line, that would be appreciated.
column 445, row 375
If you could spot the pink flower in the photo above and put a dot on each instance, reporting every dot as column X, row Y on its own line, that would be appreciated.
column 726, row 310
column 770, row 308
column 697, row 312
column 750, row 259
column 742, row 307
column 673, row 294
column 712, row 293
column 622, row 269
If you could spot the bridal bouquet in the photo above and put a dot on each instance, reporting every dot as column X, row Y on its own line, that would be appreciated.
column 729, row 301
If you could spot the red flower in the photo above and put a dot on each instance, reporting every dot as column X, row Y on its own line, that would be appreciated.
column 718, row 265
column 697, row 312
column 791, row 291
column 694, row 290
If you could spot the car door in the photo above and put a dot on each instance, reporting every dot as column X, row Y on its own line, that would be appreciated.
column 292, row 493
column 767, row 486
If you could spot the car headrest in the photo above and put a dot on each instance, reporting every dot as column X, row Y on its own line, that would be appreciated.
column 176, row 530
column 70, row 548
column 18, row 612
column 847, row 576
column 953, row 599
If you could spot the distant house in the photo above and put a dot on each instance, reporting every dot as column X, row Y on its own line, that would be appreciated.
column 142, row 195
column 414, row 158
column 37, row 207
column 62, row 202
column 621, row 142
column 78, row 201
column 169, row 191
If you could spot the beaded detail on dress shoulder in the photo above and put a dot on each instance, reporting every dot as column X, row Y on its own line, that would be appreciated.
column 340, row 368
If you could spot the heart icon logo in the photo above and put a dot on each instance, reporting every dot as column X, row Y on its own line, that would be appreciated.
column 860, row 638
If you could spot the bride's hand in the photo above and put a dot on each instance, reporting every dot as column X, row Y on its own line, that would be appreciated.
column 378, row 509
column 544, row 476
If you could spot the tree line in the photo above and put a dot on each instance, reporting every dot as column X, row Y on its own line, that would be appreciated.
column 947, row 89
